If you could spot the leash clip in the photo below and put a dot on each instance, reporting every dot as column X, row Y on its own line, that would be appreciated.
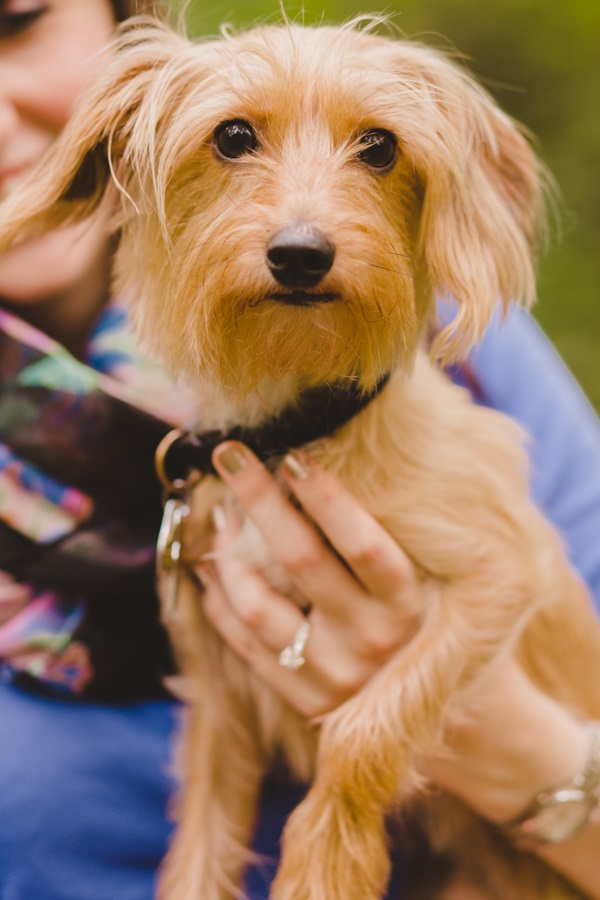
column 169, row 546
column 176, row 510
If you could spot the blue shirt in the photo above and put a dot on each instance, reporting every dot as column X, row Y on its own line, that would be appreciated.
column 84, row 788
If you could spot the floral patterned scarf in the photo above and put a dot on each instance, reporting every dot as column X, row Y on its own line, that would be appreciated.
column 80, row 508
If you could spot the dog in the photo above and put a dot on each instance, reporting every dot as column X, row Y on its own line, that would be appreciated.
column 291, row 201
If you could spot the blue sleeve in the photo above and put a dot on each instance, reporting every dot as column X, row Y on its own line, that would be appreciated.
column 520, row 374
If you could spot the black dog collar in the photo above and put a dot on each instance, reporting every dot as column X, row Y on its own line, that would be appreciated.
column 318, row 414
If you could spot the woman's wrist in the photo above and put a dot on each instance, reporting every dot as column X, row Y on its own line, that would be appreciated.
column 559, row 813
column 517, row 743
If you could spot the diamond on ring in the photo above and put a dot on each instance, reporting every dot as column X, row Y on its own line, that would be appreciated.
column 291, row 656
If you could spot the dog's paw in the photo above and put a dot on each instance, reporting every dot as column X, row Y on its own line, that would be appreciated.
column 332, row 851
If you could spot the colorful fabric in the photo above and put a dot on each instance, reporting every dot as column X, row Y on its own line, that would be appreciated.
column 80, row 506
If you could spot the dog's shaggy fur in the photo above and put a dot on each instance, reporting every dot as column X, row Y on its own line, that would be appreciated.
column 455, row 212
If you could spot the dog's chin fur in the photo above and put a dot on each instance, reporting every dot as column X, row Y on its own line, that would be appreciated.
column 223, row 408
column 456, row 213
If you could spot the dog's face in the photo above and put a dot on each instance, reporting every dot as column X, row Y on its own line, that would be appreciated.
column 292, row 199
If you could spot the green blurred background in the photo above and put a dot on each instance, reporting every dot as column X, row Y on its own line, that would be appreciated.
column 541, row 60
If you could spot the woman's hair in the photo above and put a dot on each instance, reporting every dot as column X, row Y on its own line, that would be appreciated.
column 125, row 8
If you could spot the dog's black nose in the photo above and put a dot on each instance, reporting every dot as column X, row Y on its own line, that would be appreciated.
column 299, row 256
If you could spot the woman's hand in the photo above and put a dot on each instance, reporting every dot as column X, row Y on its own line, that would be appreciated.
column 362, row 612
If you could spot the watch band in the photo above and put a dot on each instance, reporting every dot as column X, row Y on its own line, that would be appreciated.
column 559, row 813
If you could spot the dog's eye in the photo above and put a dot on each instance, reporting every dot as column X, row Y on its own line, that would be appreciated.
column 235, row 138
column 377, row 148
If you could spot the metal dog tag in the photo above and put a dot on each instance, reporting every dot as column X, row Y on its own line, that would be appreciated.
column 169, row 547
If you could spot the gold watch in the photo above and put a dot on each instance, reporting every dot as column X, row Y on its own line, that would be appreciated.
column 558, row 814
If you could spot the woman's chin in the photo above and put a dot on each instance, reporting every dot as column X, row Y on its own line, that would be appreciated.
column 50, row 265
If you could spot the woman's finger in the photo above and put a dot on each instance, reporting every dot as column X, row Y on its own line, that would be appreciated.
column 383, row 570
column 370, row 551
column 273, row 617
column 321, row 577
column 310, row 690
column 352, row 638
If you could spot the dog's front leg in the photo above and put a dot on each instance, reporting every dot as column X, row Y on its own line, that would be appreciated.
column 219, row 763
column 335, row 845
column 215, row 809
column 334, row 848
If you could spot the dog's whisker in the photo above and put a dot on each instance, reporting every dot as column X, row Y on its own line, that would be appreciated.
column 393, row 270
column 419, row 260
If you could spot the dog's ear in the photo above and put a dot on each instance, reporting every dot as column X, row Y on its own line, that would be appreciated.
column 482, row 206
column 71, row 179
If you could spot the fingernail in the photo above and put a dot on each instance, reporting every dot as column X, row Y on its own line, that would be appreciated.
column 219, row 517
column 231, row 457
column 296, row 466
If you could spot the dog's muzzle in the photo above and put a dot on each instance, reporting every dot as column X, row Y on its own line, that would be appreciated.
column 299, row 256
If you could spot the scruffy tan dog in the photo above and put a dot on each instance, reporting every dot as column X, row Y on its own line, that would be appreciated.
column 291, row 201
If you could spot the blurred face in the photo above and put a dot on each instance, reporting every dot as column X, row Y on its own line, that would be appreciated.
column 47, row 52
